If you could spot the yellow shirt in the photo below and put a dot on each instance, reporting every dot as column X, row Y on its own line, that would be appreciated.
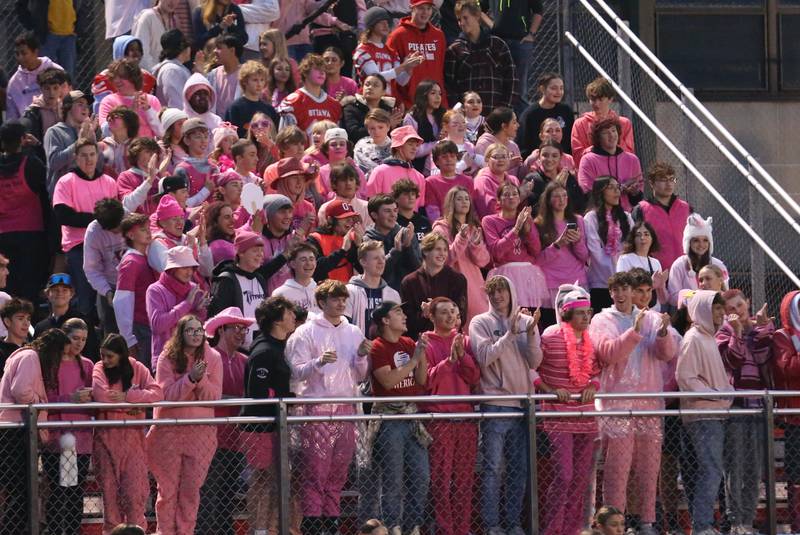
column 61, row 17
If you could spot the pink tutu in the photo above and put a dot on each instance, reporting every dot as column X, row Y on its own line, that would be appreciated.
column 529, row 283
column 259, row 449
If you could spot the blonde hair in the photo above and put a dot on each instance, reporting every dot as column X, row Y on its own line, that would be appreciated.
column 367, row 246
column 251, row 68
column 319, row 127
column 495, row 147
column 430, row 240
column 278, row 41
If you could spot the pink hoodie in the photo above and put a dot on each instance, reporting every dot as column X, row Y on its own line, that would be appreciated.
column 70, row 380
column 624, row 166
column 505, row 246
column 178, row 387
column 582, row 134
column 22, row 384
column 567, row 264
column 484, row 192
column 144, row 389
column 164, row 309
column 467, row 258
column 385, row 175
column 446, row 378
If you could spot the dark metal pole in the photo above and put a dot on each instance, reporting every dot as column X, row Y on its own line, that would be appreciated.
column 769, row 465
column 533, row 473
column 32, row 457
column 284, row 478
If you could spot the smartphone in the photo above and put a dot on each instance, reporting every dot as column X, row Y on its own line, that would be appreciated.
column 572, row 226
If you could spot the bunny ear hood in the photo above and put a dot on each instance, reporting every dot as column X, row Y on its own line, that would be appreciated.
column 570, row 295
column 695, row 227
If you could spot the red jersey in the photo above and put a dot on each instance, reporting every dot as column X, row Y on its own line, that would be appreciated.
column 307, row 109
column 394, row 355
column 383, row 57
column 407, row 38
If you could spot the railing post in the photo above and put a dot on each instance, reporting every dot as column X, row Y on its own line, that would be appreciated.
column 32, row 456
column 284, row 478
column 769, row 465
column 533, row 473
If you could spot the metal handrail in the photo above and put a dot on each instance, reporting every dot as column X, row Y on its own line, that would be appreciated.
column 686, row 92
column 685, row 161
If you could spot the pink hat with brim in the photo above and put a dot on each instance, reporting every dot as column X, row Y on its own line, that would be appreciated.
column 180, row 257
column 245, row 240
column 403, row 134
column 168, row 208
column 231, row 315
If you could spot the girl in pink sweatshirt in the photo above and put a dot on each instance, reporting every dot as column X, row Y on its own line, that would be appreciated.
column 119, row 451
column 490, row 178
column 179, row 456
column 451, row 371
column 23, row 383
column 513, row 242
column 68, row 381
column 128, row 80
column 468, row 252
column 569, row 366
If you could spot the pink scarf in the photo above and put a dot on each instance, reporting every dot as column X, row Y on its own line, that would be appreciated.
column 180, row 289
column 613, row 237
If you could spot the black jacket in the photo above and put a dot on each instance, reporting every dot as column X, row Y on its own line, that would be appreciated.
column 266, row 375
column 354, row 111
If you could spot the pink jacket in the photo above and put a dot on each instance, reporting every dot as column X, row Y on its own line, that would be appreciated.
column 624, row 166
column 582, row 134
column 385, row 175
column 164, row 310
column 144, row 389
column 567, row 264
column 70, row 380
column 446, row 378
column 484, row 192
column 504, row 245
column 178, row 387
column 668, row 224
column 468, row 257
column 631, row 361
column 22, row 384
column 487, row 139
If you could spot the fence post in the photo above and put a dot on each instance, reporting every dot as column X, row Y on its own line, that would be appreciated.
column 533, row 473
column 284, row 478
column 32, row 456
column 769, row 465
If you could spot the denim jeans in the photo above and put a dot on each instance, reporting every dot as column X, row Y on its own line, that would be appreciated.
column 504, row 441
column 708, row 438
column 521, row 53
column 744, row 461
column 84, row 293
column 405, row 474
column 62, row 50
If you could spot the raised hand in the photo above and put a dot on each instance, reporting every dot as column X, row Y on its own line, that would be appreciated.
column 660, row 279
column 639, row 321
column 763, row 317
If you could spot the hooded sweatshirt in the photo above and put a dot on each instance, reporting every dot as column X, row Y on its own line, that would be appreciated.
column 581, row 140
column 700, row 366
column 143, row 389
column 337, row 379
column 484, row 192
column 786, row 350
column 447, row 378
column 748, row 359
column 405, row 39
column 383, row 177
column 171, row 77
column 506, row 360
column 149, row 124
column 22, row 383
column 103, row 84
column 300, row 295
column 363, row 300
column 683, row 277
column 622, row 165
column 631, row 361
column 147, row 29
column 22, row 87
column 195, row 82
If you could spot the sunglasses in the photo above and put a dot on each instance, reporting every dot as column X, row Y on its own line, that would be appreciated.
column 59, row 278
column 260, row 124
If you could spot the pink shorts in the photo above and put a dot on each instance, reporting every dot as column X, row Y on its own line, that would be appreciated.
column 529, row 283
column 259, row 449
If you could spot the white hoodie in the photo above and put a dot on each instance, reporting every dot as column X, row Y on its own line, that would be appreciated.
column 194, row 82
column 300, row 295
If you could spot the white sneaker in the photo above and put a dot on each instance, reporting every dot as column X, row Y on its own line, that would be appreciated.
column 414, row 531
column 496, row 531
column 396, row 530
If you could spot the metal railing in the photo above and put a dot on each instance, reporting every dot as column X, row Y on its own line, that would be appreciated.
column 280, row 461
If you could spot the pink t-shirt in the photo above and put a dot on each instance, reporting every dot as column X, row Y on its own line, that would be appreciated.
column 146, row 118
column 347, row 87
column 80, row 195
column 135, row 275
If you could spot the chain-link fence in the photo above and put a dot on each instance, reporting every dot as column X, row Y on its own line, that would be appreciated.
column 329, row 468
column 750, row 269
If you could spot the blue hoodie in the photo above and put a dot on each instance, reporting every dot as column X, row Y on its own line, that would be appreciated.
column 118, row 49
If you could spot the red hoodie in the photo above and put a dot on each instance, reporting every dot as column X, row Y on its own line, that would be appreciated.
column 786, row 359
column 407, row 38
column 446, row 378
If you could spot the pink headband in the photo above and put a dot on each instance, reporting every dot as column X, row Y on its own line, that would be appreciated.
column 576, row 304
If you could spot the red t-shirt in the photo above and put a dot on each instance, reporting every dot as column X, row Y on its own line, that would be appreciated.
column 394, row 355
column 307, row 110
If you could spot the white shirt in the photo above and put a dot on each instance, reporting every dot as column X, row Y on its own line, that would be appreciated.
column 629, row 261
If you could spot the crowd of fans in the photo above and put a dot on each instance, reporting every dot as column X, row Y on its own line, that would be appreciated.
column 344, row 201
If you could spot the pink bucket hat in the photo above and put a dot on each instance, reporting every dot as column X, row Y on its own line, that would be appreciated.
column 180, row 256
column 403, row 134
column 231, row 315
column 168, row 208
column 245, row 240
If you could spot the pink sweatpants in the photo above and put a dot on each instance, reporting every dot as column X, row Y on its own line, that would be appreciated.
column 636, row 455
column 325, row 456
column 119, row 459
column 565, row 497
column 179, row 457
column 452, row 460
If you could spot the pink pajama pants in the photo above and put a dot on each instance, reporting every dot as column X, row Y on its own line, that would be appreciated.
column 121, row 468
column 636, row 456
column 179, row 457
column 565, row 497
column 326, row 452
column 452, row 461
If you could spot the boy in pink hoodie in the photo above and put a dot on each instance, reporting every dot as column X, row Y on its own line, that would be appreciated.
column 452, row 371
column 119, row 451
column 179, row 456
column 632, row 345
column 405, row 142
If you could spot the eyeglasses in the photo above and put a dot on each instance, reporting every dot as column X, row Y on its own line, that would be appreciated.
column 667, row 179
column 499, row 157
column 236, row 327
column 260, row 124
column 194, row 332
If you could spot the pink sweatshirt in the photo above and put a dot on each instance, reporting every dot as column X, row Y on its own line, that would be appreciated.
column 385, row 175
column 567, row 264
column 504, row 245
column 467, row 258
column 436, row 188
column 164, row 309
column 22, row 384
column 178, row 387
column 232, row 387
column 484, row 192
column 149, row 124
column 624, row 166
column 582, row 134
column 324, row 181
column 70, row 380
column 144, row 389
column 447, row 378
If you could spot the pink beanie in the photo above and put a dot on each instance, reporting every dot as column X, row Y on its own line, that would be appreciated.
column 168, row 207
column 245, row 240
